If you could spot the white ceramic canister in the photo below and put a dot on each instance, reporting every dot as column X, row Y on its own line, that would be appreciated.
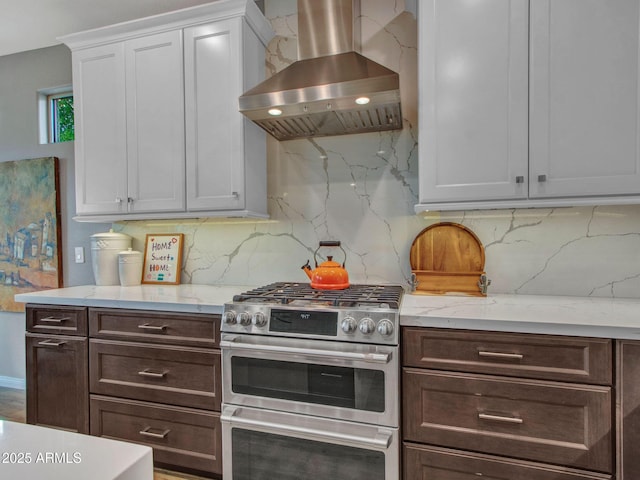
column 130, row 267
column 104, row 256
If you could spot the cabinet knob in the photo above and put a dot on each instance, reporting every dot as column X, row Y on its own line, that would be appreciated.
column 118, row 200
column 520, row 179
column 129, row 199
column 542, row 178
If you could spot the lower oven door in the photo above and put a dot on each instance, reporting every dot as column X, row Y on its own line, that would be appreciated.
column 267, row 445
column 353, row 382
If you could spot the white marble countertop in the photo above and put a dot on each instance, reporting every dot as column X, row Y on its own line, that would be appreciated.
column 558, row 315
column 30, row 452
column 171, row 298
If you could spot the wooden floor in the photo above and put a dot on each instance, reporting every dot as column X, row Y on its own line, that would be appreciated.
column 12, row 407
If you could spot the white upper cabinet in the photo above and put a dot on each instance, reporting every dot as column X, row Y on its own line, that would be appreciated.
column 216, row 134
column 584, row 98
column 158, row 131
column 527, row 103
column 155, row 131
column 473, row 99
column 100, row 130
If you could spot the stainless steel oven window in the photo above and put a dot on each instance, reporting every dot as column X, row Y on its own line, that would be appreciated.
column 352, row 382
column 264, row 444
column 260, row 455
column 302, row 382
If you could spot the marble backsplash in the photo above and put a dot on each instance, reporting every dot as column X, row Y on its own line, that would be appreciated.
column 360, row 189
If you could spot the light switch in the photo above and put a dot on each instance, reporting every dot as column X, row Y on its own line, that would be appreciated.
column 79, row 254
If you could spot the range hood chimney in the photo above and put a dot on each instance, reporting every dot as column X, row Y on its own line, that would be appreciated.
column 331, row 89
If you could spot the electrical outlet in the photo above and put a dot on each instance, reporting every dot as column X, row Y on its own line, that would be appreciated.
column 79, row 254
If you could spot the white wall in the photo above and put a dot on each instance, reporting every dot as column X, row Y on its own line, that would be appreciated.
column 21, row 76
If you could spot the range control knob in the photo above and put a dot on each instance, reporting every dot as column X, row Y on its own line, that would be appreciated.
column 349, row 325
column 259, row 319
column 244, row 318
column 367, row 326
column 230, row 317
column 385, row 327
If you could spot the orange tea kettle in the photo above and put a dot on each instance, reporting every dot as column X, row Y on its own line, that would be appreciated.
column 328, row 275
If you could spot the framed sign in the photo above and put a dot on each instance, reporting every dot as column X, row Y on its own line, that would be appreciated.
column 162, row 258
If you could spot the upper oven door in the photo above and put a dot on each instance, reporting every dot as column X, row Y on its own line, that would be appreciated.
column 330, row 379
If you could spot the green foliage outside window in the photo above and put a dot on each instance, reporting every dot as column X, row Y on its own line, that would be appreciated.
column 63, row 115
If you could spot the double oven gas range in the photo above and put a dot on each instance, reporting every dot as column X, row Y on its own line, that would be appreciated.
column 311, row 383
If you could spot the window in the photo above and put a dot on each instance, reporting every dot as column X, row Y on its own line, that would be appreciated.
column 61, row 117
column 55, row 112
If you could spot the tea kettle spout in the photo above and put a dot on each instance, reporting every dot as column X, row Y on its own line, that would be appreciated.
column 307, row 269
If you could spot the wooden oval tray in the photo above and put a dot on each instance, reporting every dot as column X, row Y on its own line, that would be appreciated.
column 448, row 258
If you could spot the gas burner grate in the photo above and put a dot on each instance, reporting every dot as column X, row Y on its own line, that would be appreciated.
column 285, row 293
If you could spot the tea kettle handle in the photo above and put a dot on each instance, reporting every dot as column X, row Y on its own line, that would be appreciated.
column 329, row 243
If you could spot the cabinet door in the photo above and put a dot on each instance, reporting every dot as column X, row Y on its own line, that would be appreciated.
column 560, row 423
column 100, row 124
column 584, row 98
column 155, row 113
column 435, row 463
column 473, row 76
column 183, row 437
column 545, row 357
column 214, row 126
column 629, row 411
column 184, row 376
column 57, row 382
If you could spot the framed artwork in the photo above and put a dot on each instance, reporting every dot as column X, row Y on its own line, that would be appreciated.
column 30, row 236
column 162, row 258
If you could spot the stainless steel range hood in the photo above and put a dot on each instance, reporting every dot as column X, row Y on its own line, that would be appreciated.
column 332, row 89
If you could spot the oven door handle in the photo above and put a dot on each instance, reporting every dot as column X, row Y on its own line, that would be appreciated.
column 380, row 440
column 232, row 344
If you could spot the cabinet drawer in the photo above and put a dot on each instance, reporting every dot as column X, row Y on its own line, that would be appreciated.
column 182, row 437
column 421, row 461
column 57, row 377
column 157, row 327
column 64, row 320
column 184, row 376
column 559, row 423
column 546, row 357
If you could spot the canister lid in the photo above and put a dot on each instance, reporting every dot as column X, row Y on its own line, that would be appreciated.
column 130, row 255
column 129, row 251
column 110, row 235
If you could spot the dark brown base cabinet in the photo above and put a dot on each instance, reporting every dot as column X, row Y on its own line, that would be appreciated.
column 183, row 437
column 628, row 401
column 57, row 367
column 57, row 382
column 140, row 376
column 423, row 462
column 497, row 405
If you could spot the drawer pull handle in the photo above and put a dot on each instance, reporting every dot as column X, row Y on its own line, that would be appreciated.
column 499, row 418
column 513, row 356
column 148, row 373
column 55, row 320
column 51, row 343
column 148, row 433
column 155, row 328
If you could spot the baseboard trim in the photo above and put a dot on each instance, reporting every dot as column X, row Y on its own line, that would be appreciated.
column 12, row 382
